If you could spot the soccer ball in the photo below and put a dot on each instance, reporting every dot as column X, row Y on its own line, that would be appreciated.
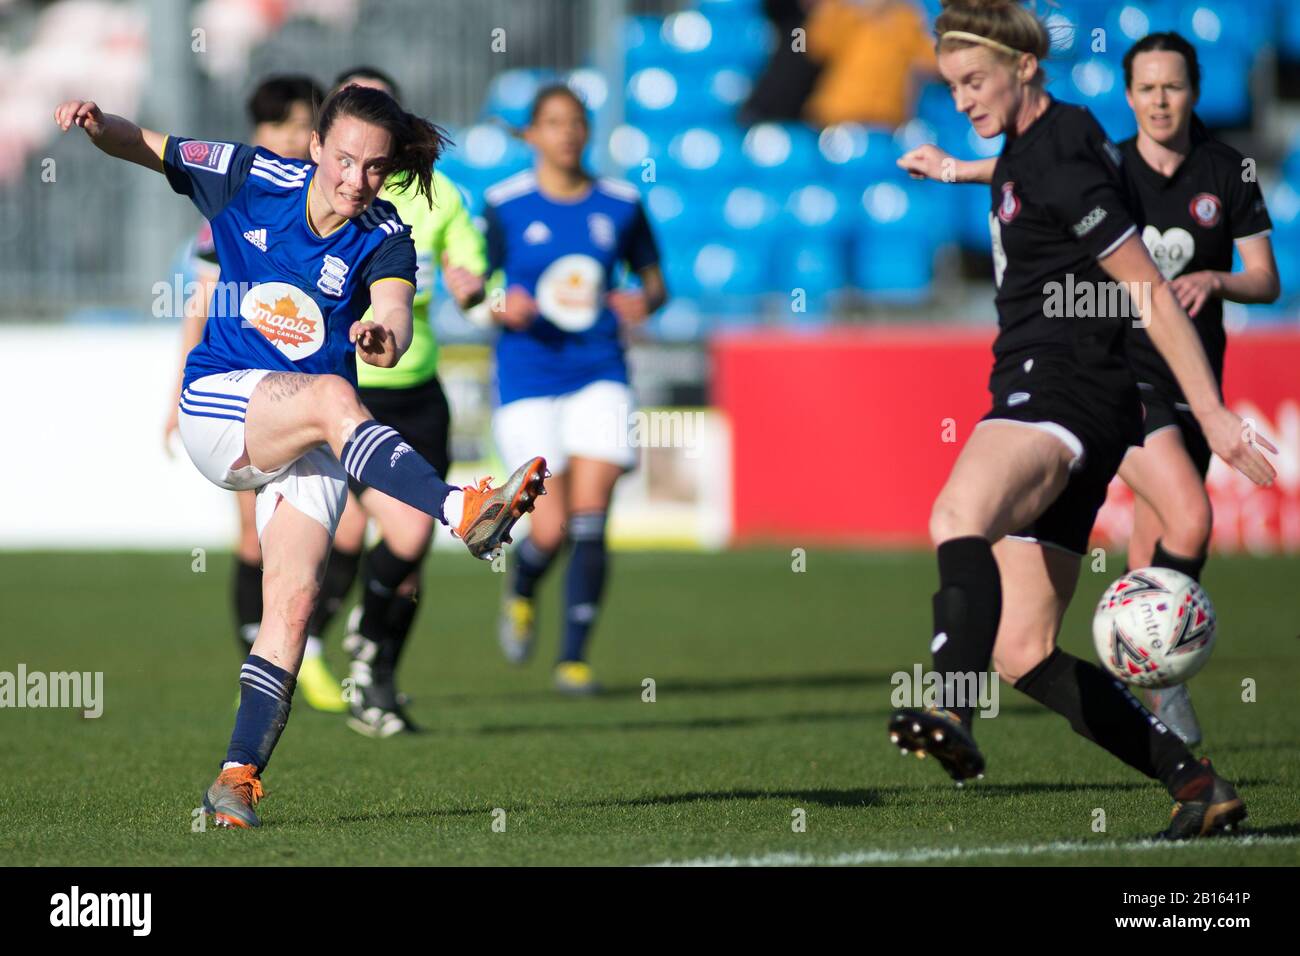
column 1154, row 628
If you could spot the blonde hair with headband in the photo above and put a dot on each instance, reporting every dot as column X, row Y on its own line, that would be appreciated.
column 1006, row 27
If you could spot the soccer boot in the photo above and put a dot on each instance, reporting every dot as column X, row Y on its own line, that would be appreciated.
column 1207, row 806
column 318, row 686
column 939, row 734
column 490, row 513
column 576, row 679
column 374, row 707
column 517, row 627
column 1173, row 705
column 231, row 798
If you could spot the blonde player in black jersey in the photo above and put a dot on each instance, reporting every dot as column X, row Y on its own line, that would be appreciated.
column 1014, row 517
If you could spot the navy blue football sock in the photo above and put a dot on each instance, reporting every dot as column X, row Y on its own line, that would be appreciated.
column 377, row 457
column 585, row 581
column 531, row 563
column 265, row 693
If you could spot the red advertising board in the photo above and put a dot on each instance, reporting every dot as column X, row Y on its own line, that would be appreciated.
column 848, row 435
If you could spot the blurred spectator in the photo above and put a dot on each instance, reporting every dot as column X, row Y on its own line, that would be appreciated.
column 783, row 87
column 868, row 51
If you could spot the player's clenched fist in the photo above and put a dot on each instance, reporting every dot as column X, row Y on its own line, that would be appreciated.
column 81, row 113
column 374, row 344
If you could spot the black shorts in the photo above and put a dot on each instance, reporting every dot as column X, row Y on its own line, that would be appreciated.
column 1166, row 409
column 1098, row 419
column 420, row 415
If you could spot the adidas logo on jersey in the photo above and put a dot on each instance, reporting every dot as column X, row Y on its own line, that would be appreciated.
column 257, row 237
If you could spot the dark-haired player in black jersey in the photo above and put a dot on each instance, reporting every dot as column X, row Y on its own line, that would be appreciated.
column 1198, row 200
column 1013, row 519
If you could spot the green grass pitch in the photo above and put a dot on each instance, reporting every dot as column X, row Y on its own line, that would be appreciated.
column 772, row 690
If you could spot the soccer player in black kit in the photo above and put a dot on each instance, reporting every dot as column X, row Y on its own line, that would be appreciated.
column 1198, row 200
column 1013, row 519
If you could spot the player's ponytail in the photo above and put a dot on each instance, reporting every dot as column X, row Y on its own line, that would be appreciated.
column 417, row 143
column 1006, row 27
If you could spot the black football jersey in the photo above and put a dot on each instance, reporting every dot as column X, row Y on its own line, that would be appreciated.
column 1190, row 221
column 1060, row 203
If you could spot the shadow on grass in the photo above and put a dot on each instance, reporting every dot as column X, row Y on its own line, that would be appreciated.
column 921, row 795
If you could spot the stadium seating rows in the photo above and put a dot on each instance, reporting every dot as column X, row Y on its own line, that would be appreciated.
column 784, row 211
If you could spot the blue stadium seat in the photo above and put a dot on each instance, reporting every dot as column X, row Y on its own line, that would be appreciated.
column 816, row 264
column 724, row 269
column 702, row 157
column 717, row 10
column 893, row 258
column 1225, row 90
column 749, row 214
column 644, row 44
column 857, row 154
column 590, row 85
column 819, row 209
column 696, row 41
column 627, row 149
column 485, row 153
column 510, row 94
column 1215, row 26
column 651, row 95
column 679, row 321
column 1126, row 23
column 781, row 153
column 972, row 219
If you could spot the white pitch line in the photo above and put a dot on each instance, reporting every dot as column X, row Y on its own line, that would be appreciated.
column 868, row 857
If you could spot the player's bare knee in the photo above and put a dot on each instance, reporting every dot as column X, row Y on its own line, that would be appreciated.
column 338, row 404
column 1019, row 653
column 948, row 520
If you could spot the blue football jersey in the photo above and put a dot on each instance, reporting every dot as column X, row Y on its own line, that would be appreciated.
column 564, row 254
column 288, row 296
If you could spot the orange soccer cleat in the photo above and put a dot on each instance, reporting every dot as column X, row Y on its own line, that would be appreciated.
column 490, row 512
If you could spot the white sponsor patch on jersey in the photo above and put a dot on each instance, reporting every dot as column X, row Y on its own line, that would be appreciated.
column 1171, row 249
column 289, row 318
column 202, row 154
column 570, row 291
column 1089, row 222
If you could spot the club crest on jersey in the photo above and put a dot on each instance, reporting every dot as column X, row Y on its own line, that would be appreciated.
column 601, row 229
column 202, row 154
column 333, row 272
column 537, row 233
column 289, row 318
column 1010, row 207
column 1205, row 208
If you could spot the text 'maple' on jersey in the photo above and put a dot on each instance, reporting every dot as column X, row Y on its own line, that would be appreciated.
column 565, row 255
column 1190, row 223
column 1059, row 204
column 287, row 296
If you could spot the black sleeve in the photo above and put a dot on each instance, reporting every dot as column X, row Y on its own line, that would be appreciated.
column 639, row 249
column 1247, row 212
column 1084, row 189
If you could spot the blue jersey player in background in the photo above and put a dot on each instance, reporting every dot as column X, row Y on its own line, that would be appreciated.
column 561, row 236
column 269, row 396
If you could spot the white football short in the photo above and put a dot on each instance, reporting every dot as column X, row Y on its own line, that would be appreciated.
column 212, row 429
column 593, row 422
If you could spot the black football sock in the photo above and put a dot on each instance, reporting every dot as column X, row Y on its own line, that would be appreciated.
column 248, row 602
column 1102, row 709
column 1189, row 566
column 401, row 617
column 340, row 572
column 967, row 608
column 384, row 573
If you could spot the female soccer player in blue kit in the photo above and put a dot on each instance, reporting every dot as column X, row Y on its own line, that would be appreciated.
column 269, row 398
column 559, row 235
